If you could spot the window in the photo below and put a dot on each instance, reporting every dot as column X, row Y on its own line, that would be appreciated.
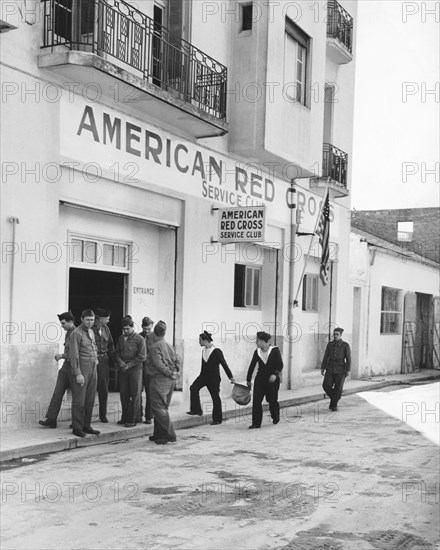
column 390, row 317
column 246, row 17
column 296, row 53
column 99, row 253
column 310, row 293
column 247, row 286
column 405, row 231
column 73, row 18
column 63, row 19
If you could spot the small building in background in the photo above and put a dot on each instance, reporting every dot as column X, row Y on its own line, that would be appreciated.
column 394, row 270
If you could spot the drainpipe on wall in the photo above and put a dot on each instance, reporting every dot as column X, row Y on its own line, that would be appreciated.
column 291, row 304
column 14, row 222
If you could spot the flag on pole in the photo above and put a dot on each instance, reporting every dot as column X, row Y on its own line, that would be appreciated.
column 323, row 232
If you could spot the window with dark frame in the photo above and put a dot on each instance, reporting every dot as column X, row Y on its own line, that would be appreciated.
column 247, row 286
column 74, row 19
column 310, row 293
column 63, row 19
column 296, row 54
column 246, row 17
column 391, row 311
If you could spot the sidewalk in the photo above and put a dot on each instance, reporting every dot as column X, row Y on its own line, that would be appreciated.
column 30, row 440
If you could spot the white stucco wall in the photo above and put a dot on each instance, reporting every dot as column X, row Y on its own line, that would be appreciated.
column 371, row 268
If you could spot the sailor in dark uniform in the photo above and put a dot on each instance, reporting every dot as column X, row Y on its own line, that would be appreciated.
column 267, row 381
column 212, row 358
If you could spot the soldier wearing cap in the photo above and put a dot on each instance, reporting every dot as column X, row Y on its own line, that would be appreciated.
column 336, row 365
column 64, row 378
column 130, row 356
column 163, row 366
column 106, row 349
column 83, row 355
column 147, row 332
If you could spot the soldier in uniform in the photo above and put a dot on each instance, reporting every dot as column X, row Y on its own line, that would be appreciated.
column 336, row 366
column 163, row 366
column 130, row 356
column 83, row 355
column 106, row 349
column 147, row 329
column 64, row 378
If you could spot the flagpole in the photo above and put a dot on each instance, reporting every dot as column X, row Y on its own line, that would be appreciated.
column 291, row 303
column 311, row 241
column 330, row 305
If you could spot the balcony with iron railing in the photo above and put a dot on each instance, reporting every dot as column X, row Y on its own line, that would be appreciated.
column 121, row 42
column 339, row 33
column 334, row 171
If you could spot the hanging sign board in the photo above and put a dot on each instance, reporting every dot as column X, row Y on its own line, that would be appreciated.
column 241, row 225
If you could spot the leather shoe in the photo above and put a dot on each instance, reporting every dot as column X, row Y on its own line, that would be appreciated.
column 215, row 423
column 70, row 426
column 254, row 427
column 91, row 431
column 147, row 421
column 334, row 409
column 79, row 433
column 191, row 413
column 152, row 438
column 48, row 423
column 120, row 422
column 104, row 419
column 275, row 420
column 130, row 425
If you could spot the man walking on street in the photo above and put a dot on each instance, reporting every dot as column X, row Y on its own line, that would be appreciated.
column 163, row 366
column 64, row 378
column 336, row 366
column 130, row 355
column 106, row 348
column 84, row 359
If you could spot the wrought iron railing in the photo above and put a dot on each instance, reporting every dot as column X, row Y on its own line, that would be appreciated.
column 334, row 165
column 339, row 24
column 113, row 28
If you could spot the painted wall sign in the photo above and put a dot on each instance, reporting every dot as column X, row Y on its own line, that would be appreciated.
column 241, row 225
column 142, row 290
column 99, row 142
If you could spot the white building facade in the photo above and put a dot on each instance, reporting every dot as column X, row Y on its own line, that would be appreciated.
column 126, row 125
column 396, row 308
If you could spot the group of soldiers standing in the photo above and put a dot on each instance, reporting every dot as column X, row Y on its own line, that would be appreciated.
column 144, row 360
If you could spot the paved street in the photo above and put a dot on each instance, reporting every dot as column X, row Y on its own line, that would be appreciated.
column 357, row 479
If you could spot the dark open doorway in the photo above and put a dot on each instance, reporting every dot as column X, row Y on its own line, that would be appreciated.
column 92, row 289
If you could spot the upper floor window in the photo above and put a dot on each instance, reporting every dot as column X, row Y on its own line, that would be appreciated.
column 405, row 231
column 296, row 58
column 246, row 17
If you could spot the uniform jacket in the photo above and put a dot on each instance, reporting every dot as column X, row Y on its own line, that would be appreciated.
column 82, row 348
column 211, row 367
column 65, row 355
column 162, row 359
column 148, row 342
column 131, row 350
column 104, row 341
column 274, row 364
column 337, row 357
